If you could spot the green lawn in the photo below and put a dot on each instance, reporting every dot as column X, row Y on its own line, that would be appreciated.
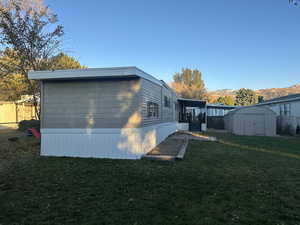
column 240, row 180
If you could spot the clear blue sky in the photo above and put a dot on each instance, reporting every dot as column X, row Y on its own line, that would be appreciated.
column 234, row 43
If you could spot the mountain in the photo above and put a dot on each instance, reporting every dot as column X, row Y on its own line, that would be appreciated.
column 268, row 93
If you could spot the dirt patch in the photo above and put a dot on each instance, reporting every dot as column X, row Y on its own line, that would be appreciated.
column 171, row 146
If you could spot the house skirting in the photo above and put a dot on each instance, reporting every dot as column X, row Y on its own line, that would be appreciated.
column 124, row 143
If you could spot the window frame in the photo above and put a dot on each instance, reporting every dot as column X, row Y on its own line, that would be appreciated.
column 287, row 109
column 167, row 102
column 152, row 110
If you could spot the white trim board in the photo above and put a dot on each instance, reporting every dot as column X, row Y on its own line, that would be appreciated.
column 124, row 143
column 109, row 72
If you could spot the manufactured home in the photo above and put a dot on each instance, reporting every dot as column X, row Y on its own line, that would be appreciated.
column 118, row 112
column 287, row 109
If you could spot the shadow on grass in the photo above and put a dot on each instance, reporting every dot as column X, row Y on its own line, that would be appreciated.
column 245, row 147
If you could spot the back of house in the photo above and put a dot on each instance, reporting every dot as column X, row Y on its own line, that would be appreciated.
column 118, row 112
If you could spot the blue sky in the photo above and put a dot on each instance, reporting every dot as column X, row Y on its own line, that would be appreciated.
column 234, row 43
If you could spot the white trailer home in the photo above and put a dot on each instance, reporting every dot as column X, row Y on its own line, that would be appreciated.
column 118, row 112
column 287, row 109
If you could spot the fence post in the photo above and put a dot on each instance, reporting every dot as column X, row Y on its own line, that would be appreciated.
column 16, row 108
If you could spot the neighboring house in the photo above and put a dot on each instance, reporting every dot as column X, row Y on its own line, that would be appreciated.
column 118, row 112
column 287, row 106
column 218, row 109
column 215, row 115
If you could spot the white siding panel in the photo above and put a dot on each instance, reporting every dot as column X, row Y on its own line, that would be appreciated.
column 295, row 109
column 182, row 126
column 125, row 143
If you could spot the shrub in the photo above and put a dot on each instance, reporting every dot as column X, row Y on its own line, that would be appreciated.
column 288, row 130
column 25, row 124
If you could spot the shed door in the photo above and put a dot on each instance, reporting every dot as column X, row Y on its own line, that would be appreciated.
column 254, row 125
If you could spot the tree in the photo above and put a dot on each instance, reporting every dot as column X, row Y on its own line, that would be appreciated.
column 225, row 100
column 210, row 98
column 189, row 84
column 12, row 86
column 63, row 62
column 245, row 97
column 28, row 28
column 260, row 99
column 294, row 2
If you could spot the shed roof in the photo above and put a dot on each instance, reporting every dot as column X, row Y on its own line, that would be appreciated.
column 241, row 109
column 109, row 72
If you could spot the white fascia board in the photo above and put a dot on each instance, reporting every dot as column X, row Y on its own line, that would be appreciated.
column 110, row 72
column 147, row 76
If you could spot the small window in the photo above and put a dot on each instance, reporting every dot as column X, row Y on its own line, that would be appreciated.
column 281, row 110
column 287, row 109
column 167, row 102
column 152, row 109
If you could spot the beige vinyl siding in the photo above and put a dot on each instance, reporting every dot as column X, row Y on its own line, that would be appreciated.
column 91, row 104
column 155, row 93
column 150, row 92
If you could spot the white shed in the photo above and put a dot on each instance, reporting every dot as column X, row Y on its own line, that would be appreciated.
column 253, row 120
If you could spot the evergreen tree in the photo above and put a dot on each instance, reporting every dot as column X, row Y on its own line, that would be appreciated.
column 245, row 97
column 225, row 100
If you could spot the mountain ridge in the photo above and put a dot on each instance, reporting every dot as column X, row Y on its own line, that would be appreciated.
column 267, row 93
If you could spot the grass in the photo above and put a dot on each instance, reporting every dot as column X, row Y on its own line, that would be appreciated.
column 238, row 180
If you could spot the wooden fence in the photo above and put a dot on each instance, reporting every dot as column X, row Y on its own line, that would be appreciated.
column 11, row 113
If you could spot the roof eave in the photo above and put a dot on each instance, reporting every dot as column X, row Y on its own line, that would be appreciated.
column 280, row 101
column 111, row 72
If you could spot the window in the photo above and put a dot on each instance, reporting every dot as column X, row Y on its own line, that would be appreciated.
column 167, row 102
column 152, row 109
column 281, row 110
column 287, row 109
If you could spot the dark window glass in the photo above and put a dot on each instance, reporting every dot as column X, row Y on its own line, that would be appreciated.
column 152, row 109
column 167, row 102
column 287, row 109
